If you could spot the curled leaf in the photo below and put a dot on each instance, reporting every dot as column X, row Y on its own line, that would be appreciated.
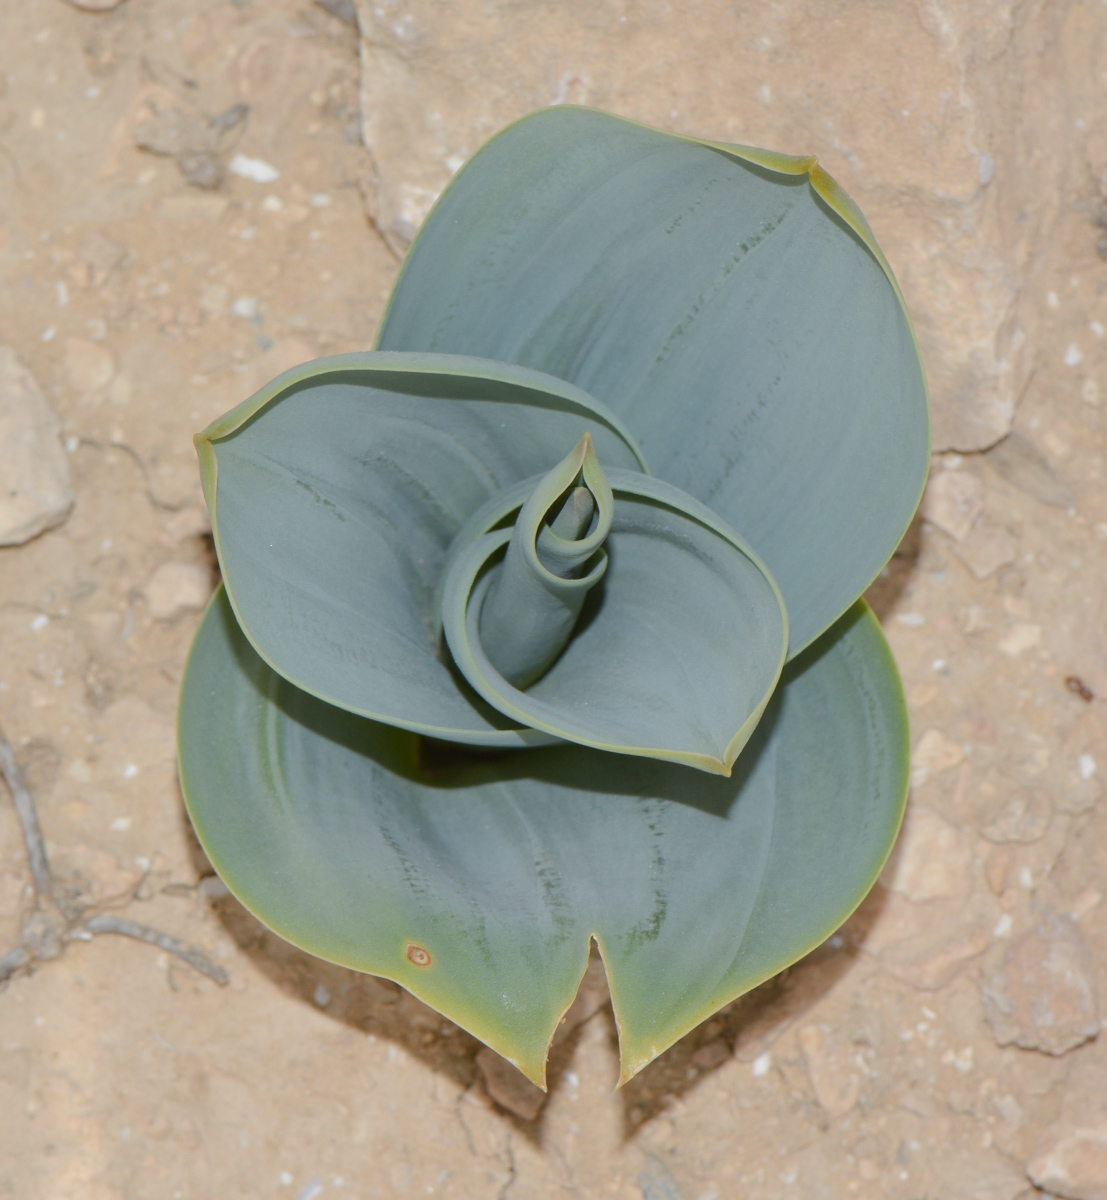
column 533, row 599
column 677, row 650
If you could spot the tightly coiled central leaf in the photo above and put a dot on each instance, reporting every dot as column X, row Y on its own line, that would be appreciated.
column 528, row 603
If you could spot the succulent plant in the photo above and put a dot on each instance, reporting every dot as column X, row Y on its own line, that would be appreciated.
column 540, row 622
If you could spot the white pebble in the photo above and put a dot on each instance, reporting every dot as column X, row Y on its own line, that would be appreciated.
column 42, row 620
column 48, row 334
column 1097, row 328
column 319, row 200
column 1073, row 355
column 285, row 1178
column 121, row 824
column 762, row 1063
column 256, row 169
column 130, row 771
column 245, row 306
column 1087, row 766
column 1003, row 926
column 321, row 996
column 912, row 619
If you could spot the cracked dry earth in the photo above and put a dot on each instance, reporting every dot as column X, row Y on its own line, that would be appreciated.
column 942, row 1045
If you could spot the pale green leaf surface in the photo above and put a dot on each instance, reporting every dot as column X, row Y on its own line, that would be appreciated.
column 335, row 493
column 695, row 886
column 746, row 332
column 677, row 650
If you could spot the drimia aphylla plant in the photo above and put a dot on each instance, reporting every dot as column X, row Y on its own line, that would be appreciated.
column 540, row 622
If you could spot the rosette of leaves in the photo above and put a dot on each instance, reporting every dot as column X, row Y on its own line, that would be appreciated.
column 540, row 621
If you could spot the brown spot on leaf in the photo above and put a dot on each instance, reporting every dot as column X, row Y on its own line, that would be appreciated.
column 418, row 956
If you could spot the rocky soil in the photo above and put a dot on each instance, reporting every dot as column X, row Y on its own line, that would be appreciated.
column 185, row 204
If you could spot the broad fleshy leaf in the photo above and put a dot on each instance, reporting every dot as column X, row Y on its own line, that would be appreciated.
column 677, row 651
column 728, row 303
column 477, row 884
column 335, row 493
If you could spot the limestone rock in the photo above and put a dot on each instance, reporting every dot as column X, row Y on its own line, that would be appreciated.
column 986, row 548
column 509, row 1087
column 1043, row 994
column 175, row 588
column 954, row 146
column 926, row 944
column 830, row 1069
column 35, row 494
column 1073, row 1163
column 933, row 754
column 1023, row 817
column 1023, row 465
column 933, row 858
column 1070, row 1159
column 953, row 500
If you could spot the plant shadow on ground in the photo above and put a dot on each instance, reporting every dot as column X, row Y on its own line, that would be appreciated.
column 745, row 1030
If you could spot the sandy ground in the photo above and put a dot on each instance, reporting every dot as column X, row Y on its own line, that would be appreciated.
column 935, row 1048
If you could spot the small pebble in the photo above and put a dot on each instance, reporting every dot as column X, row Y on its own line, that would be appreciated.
column 246, row 307
column 256, row 169
column 36, row 494
column 175, row 588
column 1043, row 996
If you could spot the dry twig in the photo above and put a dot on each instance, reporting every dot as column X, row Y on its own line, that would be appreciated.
column 164, row 941
column 28, row 819
column 47, row 929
